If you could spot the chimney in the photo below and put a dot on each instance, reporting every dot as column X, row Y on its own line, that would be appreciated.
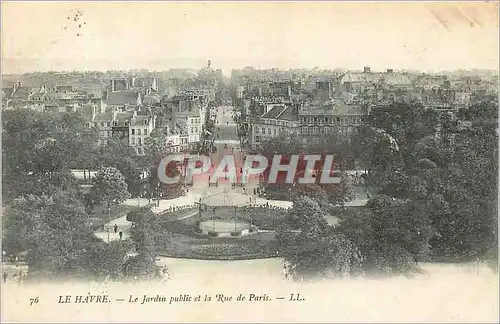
column 390, row 70
column 323, row 91
column 113, row 85
column 366, row 69
column 95, row 111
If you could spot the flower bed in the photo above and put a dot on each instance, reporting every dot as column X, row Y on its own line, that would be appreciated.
column 232, row 251
column 259, row 245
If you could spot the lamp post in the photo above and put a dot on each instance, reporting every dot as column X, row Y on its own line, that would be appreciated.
column 213, row 219
column 235, row 220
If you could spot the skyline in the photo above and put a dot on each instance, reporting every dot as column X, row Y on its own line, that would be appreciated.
column 286, row 35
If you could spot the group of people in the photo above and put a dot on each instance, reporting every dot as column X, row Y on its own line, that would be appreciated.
column 17, row 277
column 115, row 230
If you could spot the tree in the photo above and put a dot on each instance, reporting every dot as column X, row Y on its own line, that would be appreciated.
column 52, row 229
column 156, row 145
column 339, row 193
column 149, row 238
column 109, row 187
column 446, row 163
column 393, row 234
column 283, row 144
column 38, row 146
column 314, row 249
column 306, row 215
column 157, row 189
column 120, row 155
column 107, row 260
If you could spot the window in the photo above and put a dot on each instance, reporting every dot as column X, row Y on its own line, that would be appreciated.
column 102, row 124
column 126, row 123
column 138, row 131
column 146, row 122
column 133, row 131
column 132, row 141
column 146, row 131
column 139, row 141
column 115, row 123
column 269, row 131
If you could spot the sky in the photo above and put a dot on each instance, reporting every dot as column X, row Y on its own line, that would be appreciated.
column 38, row 36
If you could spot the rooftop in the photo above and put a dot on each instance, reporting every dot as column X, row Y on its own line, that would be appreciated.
column 23, row 92
column 280, row 112
column 332, row 108
column 122, row 98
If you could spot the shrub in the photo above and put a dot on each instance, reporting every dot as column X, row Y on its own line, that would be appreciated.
column 213, row 234
column 236, row 233
column 252, row 229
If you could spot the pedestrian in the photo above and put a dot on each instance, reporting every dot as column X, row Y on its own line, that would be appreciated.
column 121, row 235
column 5, row 275
column 254, row 191
column 115, row 227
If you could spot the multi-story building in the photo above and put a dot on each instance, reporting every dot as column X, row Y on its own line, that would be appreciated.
column 140, row 128
column 279, row 120
column 189, row 110
column 240, row 91
column 318, row 122
column 133, row 127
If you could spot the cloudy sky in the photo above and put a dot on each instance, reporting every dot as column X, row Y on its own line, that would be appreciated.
column 163, row 35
